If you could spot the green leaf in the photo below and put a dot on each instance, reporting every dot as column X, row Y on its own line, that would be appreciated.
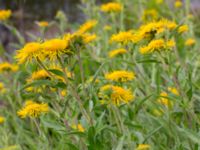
column 57, row 72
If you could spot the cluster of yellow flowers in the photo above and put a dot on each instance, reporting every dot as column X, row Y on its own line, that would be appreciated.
column 33, row 109
column 5, row 14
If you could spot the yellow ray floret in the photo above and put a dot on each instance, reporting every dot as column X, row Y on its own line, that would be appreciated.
column 120, row 76
column 33, row 109
column 143, row 147
column 87, row 26
column 2, row 119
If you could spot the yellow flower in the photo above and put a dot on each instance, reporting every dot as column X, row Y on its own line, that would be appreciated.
column 155, row 27
column 151, row 14
column 33, row 109
column 38, row 75
column 120, row 76
column 5, row 14
column 78, row 127
column 29, row 52
column 173, row 90
column 117, row 52
column 156, row 45
column 115, row 94
column 183, row 28
column 87, row 38
column 190, row 42
column 178, row 4
column 43, row 23
column 6, row 66
column 164, row 100
column 143, row 147
column 63, row 93
column 2, row 119
column 87, row 26
column 124, row 37
column 111, row 7
column 55, row 47
column 107, row 27
column 121, row 95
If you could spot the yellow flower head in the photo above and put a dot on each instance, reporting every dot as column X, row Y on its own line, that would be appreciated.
column 190, row 42
column 173, row 90
column 55, row 47
column 87, row 38
column 87, row 26
column 63, row 93
column 38, row 75
column 120, row 76
column 178, row 4
column 159, row 1
column 2, row 119
column 157, row 45
column 29, row 52
column 78, row 127
column 164, row 99
column 116, row 52
column 143, row 147
column 124, row 37
column 6, row 67
column 115, row 94
column 111, row 7
column 121, row 95
column 33, row 109
column 5, row 14
column 43, row 24
column 183, row 28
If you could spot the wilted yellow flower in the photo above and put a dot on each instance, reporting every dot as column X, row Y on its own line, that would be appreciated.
column 190, row 42
column 143, row 147
column 87, row 26
column 151, row 14
column 116, row 52
column 111, row 7
column 164, row 99
column 29, row 52
column 178, row 3
column 78, row 127
column 55, row 47
column 43, row 23
column 120, row 76
column 124, row 37
column 183, row 28
column 6, row 66
column 173, row 90
column 5, row 14
column 107, row 27
column 33, row 109
column 156, row 45
column 2, row 119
